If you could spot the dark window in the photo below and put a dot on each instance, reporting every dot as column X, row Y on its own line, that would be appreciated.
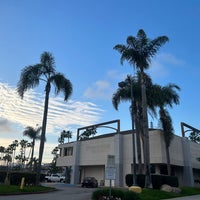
column 68, row 151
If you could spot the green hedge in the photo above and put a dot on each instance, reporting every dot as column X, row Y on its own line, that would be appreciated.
column 115, row 194
column 159, row 180
column 140, row 180
column 2, row 176
column 16, row 177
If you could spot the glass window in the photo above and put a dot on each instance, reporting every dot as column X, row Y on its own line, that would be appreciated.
column 68, row 151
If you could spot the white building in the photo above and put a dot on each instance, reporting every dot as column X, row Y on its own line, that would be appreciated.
column 89, row 157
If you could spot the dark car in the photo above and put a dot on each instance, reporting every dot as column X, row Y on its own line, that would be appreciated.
column 89, row 182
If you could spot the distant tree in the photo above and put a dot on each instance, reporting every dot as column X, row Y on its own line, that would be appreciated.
column 34, row 134
column 52, row 167
column 195, row 136
column 64, row 134
column 2, row 151
column 31, row 77
column 22, row 156
column 87, row 133
column 14, row 145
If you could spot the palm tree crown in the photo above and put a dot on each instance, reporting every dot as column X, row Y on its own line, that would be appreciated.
column 140, row 49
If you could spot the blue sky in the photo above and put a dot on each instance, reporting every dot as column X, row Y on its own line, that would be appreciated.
column 81, row 36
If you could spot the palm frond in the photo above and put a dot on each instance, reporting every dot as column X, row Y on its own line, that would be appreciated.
column 62, row 84
column 30, row 77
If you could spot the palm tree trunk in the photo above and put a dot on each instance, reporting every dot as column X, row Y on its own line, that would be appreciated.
column 146, row 131
column 168, row 161
column 42, row 140
column 139, row 154
column 32, row 154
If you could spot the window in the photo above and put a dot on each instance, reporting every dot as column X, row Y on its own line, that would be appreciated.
column 68, row 151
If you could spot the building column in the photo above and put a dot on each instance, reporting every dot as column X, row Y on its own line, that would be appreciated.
column 75, row 173
column 188, row 179
column 118, row 159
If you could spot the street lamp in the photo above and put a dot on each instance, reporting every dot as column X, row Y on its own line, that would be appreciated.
column 122, row 85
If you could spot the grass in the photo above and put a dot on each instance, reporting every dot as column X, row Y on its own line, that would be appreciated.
column 14, row 189
column 150, row 194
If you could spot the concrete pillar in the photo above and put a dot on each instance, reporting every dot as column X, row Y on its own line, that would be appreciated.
column 118, row 160
column 188, row 179
column 75, row 174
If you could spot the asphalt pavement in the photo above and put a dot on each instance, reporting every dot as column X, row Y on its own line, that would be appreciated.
column 69, row 192
column 64, row 191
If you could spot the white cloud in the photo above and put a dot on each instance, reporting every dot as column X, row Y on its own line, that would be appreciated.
column 29, row 110
column 99, row 90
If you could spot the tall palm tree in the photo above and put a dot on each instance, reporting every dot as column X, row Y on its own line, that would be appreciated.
column 31, row 77
column 34, row 134
column 130, row 90
column 138, row 52
column 163, row 97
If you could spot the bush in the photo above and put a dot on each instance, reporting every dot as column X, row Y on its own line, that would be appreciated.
column 116, row 194
column 2, row 176
column 129, row 179
column 140, row 180
column 159, row 180
column 16, row 177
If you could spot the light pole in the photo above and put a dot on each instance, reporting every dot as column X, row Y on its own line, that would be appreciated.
column 122, row 85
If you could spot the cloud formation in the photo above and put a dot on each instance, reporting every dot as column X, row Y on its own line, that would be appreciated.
column 104, row 88
column 29, row 110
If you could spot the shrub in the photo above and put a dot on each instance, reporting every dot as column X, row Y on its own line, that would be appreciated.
column 16, row 177
column 2, row 176
column 171, row 180
column 159, row 180
column 156, row 181
column 116, row 194
column 140, row 180
column 129, row 179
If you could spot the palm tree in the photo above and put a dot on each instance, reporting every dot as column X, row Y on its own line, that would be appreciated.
column 31, row 77
column 12, row 148
column 64, row 134
column 68, row 135
column 2, row 151
column 34, row 134
column 162, row 97
column 138, row 52
column 130, row 90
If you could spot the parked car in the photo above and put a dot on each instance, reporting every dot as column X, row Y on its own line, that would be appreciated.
column 89, row 182
column 55, row 178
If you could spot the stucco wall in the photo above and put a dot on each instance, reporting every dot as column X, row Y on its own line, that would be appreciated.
column 95, row 151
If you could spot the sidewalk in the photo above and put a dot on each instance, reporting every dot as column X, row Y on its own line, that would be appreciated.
column 194, row 197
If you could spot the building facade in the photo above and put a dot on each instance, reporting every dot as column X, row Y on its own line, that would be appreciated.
column 90, row 157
